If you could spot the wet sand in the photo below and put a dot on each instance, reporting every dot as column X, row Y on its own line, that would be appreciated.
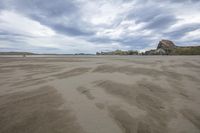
column 100, row 94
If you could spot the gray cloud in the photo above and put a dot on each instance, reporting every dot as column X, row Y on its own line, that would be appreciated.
column 182, row 30
column 155, row 18
column 45, row 8
column 161, row 22
column 71, row 30
column 102, row 22
column 52, row 14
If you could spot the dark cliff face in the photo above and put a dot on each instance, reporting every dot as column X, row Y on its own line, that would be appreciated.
column 167, row 47
column 166, row 44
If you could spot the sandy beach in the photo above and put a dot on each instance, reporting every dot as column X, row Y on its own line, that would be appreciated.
column 100, row 94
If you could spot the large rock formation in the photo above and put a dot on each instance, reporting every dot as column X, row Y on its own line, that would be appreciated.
column 166, row 44
column 164, row 48
column 167, row 47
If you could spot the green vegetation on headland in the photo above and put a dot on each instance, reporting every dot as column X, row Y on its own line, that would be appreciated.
column 165, row 47
column 119, row 52
column 195, row 50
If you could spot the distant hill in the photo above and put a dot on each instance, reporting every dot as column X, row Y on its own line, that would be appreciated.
column 119, row 52
column 16, row 53
column 29, row 53
column 167, row 47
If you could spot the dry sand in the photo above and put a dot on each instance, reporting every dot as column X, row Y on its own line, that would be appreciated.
column 99, row 94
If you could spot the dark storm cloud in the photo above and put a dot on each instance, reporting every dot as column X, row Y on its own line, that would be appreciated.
column 182, row 30
column 73, row 31
column 45, row 8
column 53, row 14
column 2, row 5
column 161, row 22
column 155, row 18
column 144, row 13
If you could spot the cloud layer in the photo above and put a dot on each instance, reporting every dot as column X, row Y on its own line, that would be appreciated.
column 65, row 26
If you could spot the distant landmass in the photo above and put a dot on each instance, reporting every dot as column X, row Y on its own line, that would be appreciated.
column 29, row 53
column 165, row 47
column 119, row 52
column 17, row 53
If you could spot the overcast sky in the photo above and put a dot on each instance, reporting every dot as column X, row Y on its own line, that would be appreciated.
column 74, row 26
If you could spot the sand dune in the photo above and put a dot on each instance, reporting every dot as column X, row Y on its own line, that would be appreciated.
column 99, row 94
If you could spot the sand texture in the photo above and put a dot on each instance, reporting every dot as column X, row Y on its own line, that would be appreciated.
column 100, row 94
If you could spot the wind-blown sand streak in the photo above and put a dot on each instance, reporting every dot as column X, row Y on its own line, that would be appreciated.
column 108, row 94
column 36, row 111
